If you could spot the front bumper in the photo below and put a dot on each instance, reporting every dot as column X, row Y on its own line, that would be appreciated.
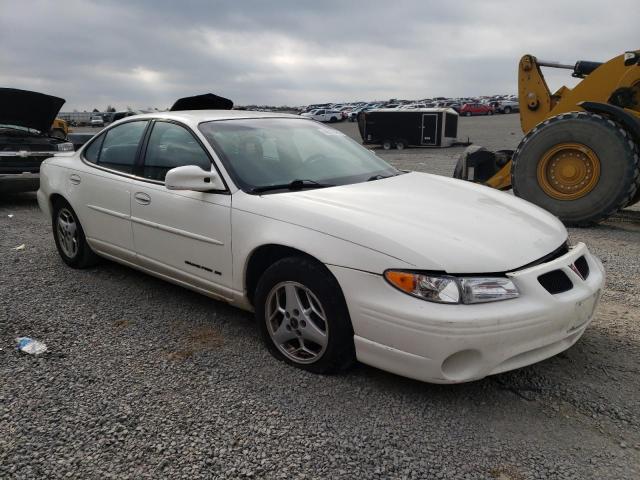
column 458, row 343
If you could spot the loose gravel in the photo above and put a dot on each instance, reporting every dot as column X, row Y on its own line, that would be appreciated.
column 144, row 379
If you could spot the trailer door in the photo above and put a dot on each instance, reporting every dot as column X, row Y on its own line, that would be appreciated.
column 429, row 129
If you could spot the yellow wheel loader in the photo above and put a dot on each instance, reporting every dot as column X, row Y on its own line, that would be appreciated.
column 579, row 158
column 59, row 129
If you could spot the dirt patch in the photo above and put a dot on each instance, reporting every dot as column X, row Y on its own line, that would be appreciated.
column 506, row 472
column 201, row 339
column 122, row 324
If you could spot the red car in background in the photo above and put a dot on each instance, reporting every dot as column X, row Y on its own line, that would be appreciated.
column 469, row 109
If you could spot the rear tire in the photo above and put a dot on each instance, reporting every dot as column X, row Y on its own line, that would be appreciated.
column 387, row 144
column 70, row 239
column 617, row 155
column 489, row 112
column 299, row 305
column 467, row 114
column 401, row 144
column 507, row 110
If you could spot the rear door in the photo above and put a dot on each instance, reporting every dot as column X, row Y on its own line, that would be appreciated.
column 183, row 234
column 101, row 192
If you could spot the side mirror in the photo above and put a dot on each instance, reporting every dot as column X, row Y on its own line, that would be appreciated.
column 192, row 177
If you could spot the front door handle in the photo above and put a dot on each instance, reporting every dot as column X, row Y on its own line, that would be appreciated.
column 142, row 198
column 75, row 179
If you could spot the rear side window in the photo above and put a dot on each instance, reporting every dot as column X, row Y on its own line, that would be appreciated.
column 120, row 146
column 172, row 146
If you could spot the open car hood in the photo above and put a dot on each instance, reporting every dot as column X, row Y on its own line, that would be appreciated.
column 28, row 109
column 208, row 101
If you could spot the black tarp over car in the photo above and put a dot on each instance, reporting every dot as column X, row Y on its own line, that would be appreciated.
column 207, row 101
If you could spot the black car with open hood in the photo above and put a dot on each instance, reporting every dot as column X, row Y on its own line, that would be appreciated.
column 25, row 121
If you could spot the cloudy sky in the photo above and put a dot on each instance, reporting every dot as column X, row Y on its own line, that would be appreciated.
column 295, row 52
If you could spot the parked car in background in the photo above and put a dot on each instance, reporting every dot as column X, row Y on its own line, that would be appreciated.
column 26, row 137
column 324, row 115
column 469, row 109
column 96, row 121
column 330, row 247
column 413, row 106
column 508, row 106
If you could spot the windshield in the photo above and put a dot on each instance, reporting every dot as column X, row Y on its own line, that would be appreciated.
column 277, row 151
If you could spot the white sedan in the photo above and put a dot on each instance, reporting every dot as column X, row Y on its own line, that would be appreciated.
column 340, row 255
column 323, row 115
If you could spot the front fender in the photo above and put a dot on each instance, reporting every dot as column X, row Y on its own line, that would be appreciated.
column 251, row 231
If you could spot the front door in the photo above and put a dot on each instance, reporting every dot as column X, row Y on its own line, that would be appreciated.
column 429, row 129
column 183, row 234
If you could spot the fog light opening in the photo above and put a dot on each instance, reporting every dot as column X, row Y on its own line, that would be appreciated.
column 462, row 365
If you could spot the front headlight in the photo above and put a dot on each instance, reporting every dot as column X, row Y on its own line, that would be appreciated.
column 65, row 147
column 450, row 289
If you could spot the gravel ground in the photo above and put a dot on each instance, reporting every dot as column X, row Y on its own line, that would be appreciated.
column 146, row 379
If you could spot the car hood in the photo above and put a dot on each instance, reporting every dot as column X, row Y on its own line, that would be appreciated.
column 429, row 221
column 28, row 109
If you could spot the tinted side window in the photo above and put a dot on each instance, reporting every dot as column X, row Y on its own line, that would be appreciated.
column 171, row 146
column 120, row 146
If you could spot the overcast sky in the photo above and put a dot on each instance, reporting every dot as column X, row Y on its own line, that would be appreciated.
column 149, row 53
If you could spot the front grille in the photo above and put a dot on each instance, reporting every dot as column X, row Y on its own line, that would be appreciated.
column 14, row 165
column 582, row 266
column 555, row 282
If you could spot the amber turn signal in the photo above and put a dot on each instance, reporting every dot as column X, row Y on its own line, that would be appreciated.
column 402, row 280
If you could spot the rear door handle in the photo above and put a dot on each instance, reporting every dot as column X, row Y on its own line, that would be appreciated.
column 75, row 179
column 142, row 198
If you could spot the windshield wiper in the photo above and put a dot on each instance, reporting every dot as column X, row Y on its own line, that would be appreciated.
column 293, row 185
column 380, row 177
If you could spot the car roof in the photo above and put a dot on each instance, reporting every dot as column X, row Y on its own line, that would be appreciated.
column 195, row 117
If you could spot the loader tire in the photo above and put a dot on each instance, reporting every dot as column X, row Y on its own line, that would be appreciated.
column 602, row 179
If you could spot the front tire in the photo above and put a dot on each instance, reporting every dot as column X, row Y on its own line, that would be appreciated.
column 507, row 110
column 387, row 144
column 302, row 316
column 70, row 239
column 467, row 114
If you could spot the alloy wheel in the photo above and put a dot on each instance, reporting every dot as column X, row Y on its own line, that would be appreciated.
column 296, row 322
column 67, row 232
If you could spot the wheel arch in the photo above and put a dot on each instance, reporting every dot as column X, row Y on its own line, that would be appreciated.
column 263, row 257
column 56, row 199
